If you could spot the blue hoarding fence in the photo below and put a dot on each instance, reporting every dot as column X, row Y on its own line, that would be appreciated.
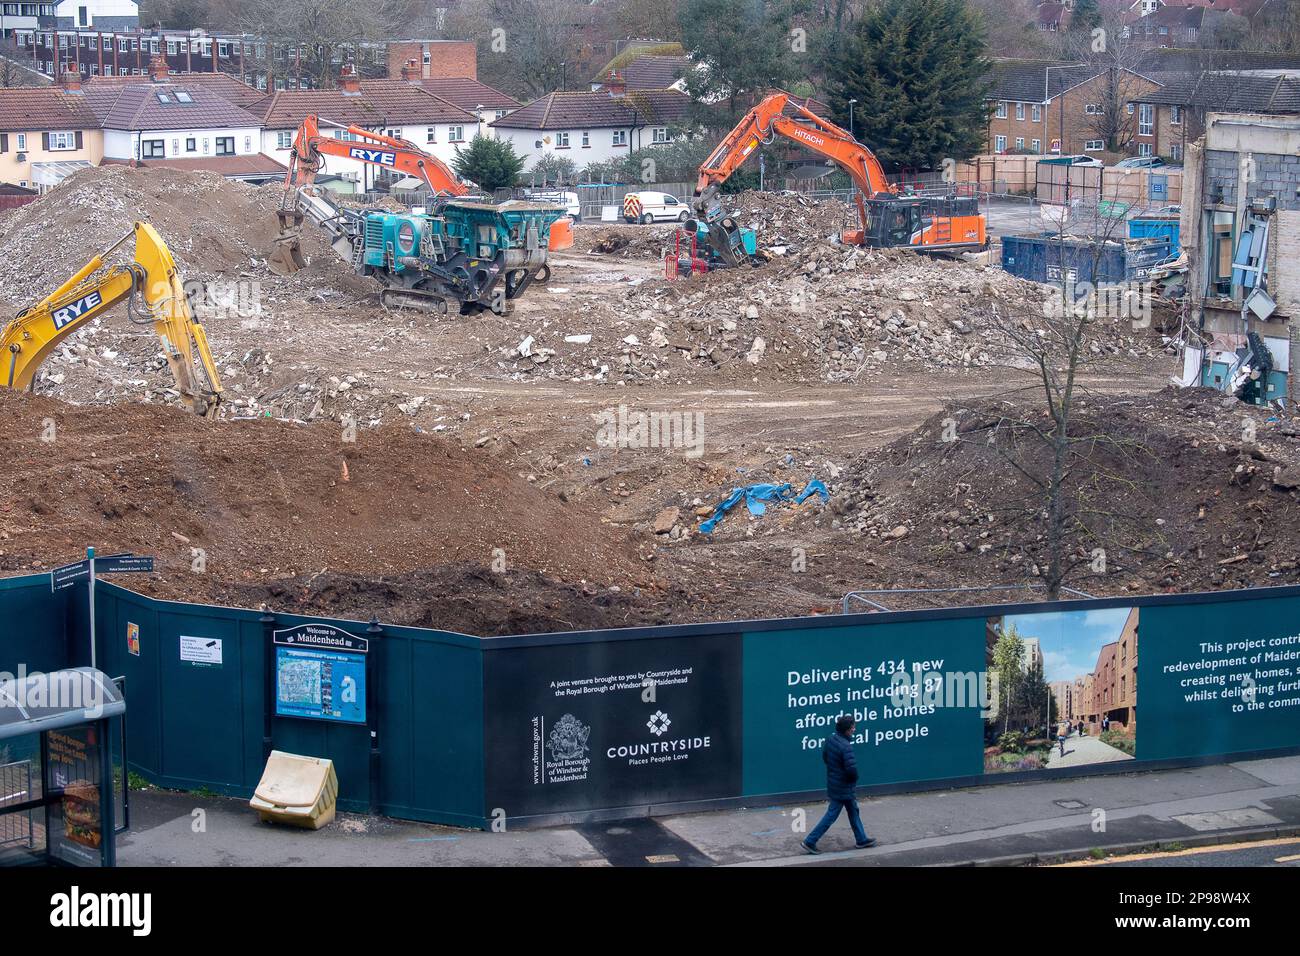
column 437, row 726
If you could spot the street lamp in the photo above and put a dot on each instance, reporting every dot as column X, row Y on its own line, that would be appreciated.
column 851, row 102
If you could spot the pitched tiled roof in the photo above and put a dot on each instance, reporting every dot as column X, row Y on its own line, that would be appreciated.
column 469, row 94
column 44, row 108
column 1030, row 81
column 223, row 84
column 808, row 103
column 1176, row 60
column 571, row 110
column 150, row 105
column 1235, row 92
column 379, row 103
column 653, row 72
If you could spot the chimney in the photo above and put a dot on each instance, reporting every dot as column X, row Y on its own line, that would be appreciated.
column 411, row 70
column 349, row 82
column 71, row 79
column 616, row 84
column 158, row 68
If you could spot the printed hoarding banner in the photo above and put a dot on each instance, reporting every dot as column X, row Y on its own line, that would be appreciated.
column 616, row 724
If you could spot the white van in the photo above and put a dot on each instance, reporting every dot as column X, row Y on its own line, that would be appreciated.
column 647, row 206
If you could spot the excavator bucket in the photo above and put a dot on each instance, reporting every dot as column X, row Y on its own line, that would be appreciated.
column 286, row 258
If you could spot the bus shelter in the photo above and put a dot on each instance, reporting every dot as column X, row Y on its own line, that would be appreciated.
column 58, row 787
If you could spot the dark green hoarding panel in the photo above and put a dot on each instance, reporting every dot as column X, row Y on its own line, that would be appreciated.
column 1219, row 678
column 797, row 681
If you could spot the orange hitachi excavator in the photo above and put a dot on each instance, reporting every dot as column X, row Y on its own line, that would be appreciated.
column 945, row 224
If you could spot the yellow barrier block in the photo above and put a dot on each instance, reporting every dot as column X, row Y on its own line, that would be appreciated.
column 300, row 791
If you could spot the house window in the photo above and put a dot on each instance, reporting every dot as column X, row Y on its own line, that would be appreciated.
column 660, row 135
column 999, row 144
column 561, row 140
column 83, row 17
column 1020, row 111
column 456, row 134
column 586, row 139
column 1175, row 116
column 92, row 43
column 171, row 48
column 108, row 69
column 176, row 147
column 1002, row 109
column 1093, row 109
column 1036, row 113
column 1036, row 145
column 225, row 146
column 183, row 97
column 1146, row 119
column 22, row 142
column 431, row 135
column 191, row 144
column 123, row 45
column 1020, row 142
column 1094, row 146
column 620, row 137
column 284, row 139
column 1176, row 152
column 223, row 49
column 1145, row 149
column 153, row 148
column 63, row 140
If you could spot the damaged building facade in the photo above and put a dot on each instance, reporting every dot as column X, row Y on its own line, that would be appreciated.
column 1241, row 229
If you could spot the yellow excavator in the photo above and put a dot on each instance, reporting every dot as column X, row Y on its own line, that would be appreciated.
column 154, row 295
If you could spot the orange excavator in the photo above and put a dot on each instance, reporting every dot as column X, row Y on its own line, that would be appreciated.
column 463, row 251
column 943, row 224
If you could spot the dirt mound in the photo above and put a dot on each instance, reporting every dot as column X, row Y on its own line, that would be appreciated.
column 268, row 501
column 1165, row 484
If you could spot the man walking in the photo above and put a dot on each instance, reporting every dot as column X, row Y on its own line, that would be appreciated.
column 841, row 775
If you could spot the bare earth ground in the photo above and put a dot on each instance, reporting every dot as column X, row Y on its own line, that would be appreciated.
column 478, row 497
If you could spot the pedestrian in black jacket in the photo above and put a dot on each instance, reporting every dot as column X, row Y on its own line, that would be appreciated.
column 841, row 778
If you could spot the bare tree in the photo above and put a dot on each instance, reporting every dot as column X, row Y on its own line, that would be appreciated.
column 326, row 32
column 527, row 47
column 1066, row 458
column 17, row 67
column 1120, row 57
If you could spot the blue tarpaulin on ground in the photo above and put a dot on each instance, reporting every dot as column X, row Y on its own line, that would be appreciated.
column 757, row 496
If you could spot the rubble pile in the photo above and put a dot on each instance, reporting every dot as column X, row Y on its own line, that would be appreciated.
column 788, row 221
column 1182, row 489
column 831, row 313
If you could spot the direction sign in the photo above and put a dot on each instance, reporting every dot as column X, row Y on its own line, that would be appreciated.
column 68, row 575
column 115, row 563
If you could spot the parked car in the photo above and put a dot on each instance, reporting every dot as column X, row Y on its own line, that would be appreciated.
column 1073, row 161
column 1141, row 162
column 649, row 206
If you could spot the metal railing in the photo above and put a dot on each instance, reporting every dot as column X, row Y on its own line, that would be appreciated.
column 16, row 787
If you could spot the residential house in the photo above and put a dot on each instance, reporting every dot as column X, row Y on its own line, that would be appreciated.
column 398, row 108
column 1240, row 229
column 1188, row 26
column 595, row 127
column 46, row 133
column 472, row 96
column 1053, row 106
column 1173, row 115
column 180, row 125
column 645, row 71
column 224, row 85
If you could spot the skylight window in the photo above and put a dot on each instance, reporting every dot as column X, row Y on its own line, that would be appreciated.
column 183, row 97
column 164, row 98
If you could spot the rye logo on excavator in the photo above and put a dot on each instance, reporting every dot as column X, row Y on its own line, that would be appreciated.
column 382, row 157
column 72, row 312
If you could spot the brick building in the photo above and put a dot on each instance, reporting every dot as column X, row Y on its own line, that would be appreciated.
column 1110, row 689
column 1052, row 106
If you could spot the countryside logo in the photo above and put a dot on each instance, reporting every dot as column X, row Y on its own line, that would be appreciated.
column 658, row 723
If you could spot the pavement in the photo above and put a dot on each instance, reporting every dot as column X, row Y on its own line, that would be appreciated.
column 1081, row 750
column 1046, row 820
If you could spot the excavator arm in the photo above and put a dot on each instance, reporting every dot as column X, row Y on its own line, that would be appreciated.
column 307, row 158
column 760, row 126
column 152, row 289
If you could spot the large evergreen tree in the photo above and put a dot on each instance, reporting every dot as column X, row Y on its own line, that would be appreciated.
column 919, row 73
column 491, row 163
